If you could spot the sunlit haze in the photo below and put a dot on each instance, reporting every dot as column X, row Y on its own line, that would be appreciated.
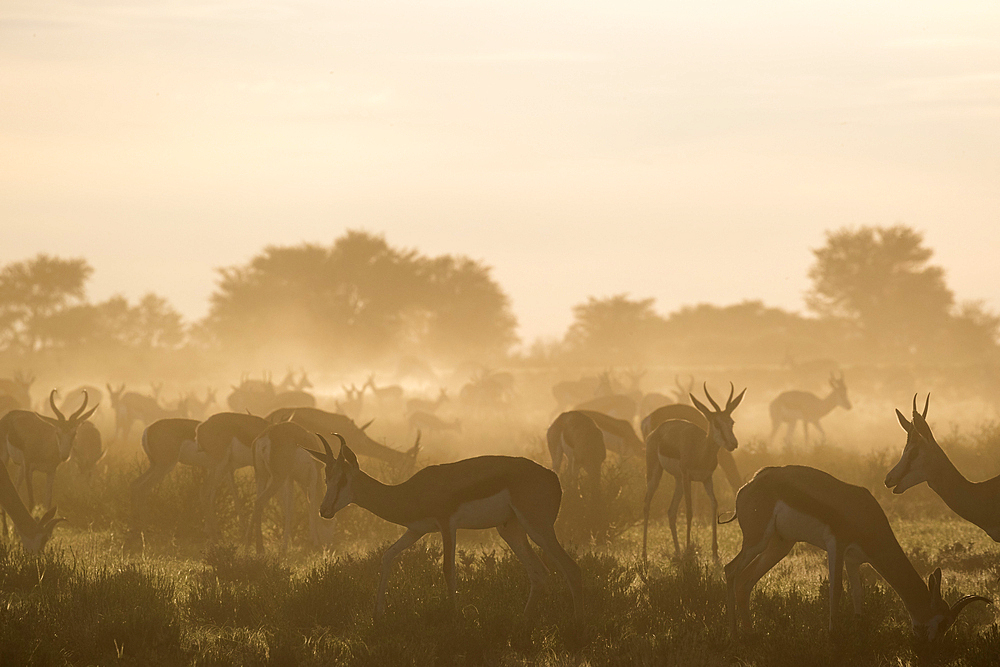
column 690, row 152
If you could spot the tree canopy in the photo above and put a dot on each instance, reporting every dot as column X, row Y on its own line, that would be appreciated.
column 361, row 297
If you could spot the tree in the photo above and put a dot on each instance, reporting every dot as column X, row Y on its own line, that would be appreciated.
column 615, row 329
column 879, row 278
column 361, row 298
column 32, row 293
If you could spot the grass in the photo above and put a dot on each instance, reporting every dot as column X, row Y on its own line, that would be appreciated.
column 96, row 598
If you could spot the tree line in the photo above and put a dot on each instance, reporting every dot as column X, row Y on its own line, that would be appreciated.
column 874, row 296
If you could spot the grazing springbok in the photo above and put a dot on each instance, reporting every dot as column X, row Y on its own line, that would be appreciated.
column 280, row 457
column 34, row 533
column 923, row 460
column 782, row 506
column 516, row 496
column 131, row 407
column 225, row 442
column 794, row 406
column 39, row 443
column 315, row 420
column 689, row 452
column 575, row 435
column 166, row 443
column 619, row 434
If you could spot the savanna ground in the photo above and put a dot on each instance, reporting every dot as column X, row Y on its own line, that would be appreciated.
column 106, row 593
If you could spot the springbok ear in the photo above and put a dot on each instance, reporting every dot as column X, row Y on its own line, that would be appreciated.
column 907, row 426
column 48, row 516
column 736, row 402
column 362, row 428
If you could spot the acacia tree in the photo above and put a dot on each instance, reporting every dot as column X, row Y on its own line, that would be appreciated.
column 361, row 298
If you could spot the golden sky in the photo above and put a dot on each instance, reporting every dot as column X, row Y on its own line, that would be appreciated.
column 684, row 151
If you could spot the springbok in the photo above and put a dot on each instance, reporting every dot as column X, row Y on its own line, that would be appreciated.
column 688, row 452
column 516, row 496
column 923, row 460
column 793, row 406
column 39, row 443
column 280, row 457
column 782, row 506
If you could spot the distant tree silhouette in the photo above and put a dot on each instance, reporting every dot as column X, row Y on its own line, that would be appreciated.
column 32, row 293
column 879, row 279
column 361, row 297
column 43, row 305
column 616, row 329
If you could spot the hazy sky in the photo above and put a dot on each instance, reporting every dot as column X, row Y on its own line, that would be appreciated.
column 684, row 151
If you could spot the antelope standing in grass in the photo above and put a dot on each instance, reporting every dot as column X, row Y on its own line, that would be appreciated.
column 280, row 456
column 225, row 441
column 794, row 406
column 691, row 414
column 38, row 443
column 782, row 506
column 689, row 452
column 923, row 460
column 88, row 449
column 619, row 435
column 516, row 496
column 386, row 395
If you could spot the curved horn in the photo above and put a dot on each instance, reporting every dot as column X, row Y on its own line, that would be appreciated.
column 732, row 390
column 326, row 447
column 83, row 407
column 52, row 403
column 927, row 402
column 957, row 608
column 711, row 400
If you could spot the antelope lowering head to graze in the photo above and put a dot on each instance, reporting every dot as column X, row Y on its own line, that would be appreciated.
column 280, row 456
column 34, row 533
column 166, row 442
column 794, row 406
column 575, row 436
column 38, row 443
column 923, row 460
column 782, row 506
column 618, row 406
column 224, row 445
column 425, row 421
column 315, row 420
column 619, row 434
column 18, row 388
column 516, row 496
column 689, row 452
column 424, row 405
column 132, row 407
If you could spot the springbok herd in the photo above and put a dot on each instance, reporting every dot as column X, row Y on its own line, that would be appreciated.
column 279, row 431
